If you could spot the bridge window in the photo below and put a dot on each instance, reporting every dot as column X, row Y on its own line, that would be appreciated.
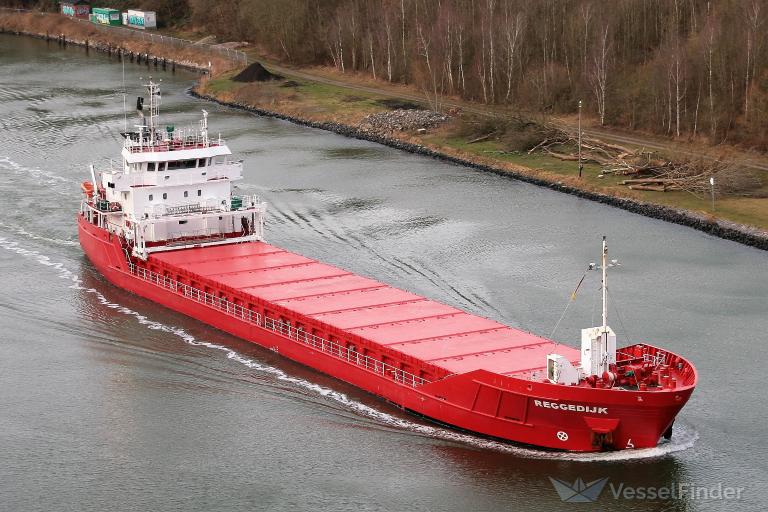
column 152, row 166
column 201, row 162
column 182, row 164
column 186, row 194
column 199, row 192
column 151, row 197
column 165, row 195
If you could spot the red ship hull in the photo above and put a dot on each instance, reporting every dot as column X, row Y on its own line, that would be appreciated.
column 514, row 406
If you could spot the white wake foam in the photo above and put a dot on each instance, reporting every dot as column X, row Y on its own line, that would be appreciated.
column 684, row 438
column 41, row 176
column 32, row 236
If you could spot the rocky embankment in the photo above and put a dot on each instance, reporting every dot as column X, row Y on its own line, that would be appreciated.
column 388, row 128
column 746, row 235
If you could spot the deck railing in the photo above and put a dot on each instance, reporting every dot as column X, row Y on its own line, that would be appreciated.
column 284, row 328
column 162, row 145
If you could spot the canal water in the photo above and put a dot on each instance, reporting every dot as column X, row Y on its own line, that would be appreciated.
column 109, row 402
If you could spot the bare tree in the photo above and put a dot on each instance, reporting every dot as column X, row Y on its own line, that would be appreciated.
column 481, row 64
column 586, row 16
column 388, row 31
column 373, row 61
column 461, row 58
column 753, row 25
column 677, row 76
column 449, row 52
column 424, row 43
column 353, row 33
column 710, row 50
column 599, row 76
column 491, row 57
column 340, row 44
column 513, row 31
column 402, row 20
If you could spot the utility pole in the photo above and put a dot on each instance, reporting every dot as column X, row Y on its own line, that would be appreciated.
column 712, row 189
column 581, row 166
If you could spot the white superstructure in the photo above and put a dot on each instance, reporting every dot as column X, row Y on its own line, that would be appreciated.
column 173, row 189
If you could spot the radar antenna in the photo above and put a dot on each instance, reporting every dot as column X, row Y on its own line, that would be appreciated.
column 154, row 107
column 204, row 128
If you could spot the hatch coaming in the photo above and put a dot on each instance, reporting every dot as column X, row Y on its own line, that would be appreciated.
column 356, row 309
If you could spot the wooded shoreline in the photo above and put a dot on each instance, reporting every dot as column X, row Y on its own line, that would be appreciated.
column 743, row 234
column 746, row 235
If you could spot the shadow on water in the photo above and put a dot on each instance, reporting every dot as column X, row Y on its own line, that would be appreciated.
column 527, row 481
column 354, row 204
column 356, row 153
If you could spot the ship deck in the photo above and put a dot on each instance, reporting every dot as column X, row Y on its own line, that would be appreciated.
column 432, row 332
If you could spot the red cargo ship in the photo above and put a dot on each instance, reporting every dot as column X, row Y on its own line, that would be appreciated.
column 164, row 225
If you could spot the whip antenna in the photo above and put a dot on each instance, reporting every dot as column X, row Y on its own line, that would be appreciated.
column 125, row 112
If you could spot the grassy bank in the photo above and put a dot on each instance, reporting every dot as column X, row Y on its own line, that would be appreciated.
column 302, row 97
column 320, row 102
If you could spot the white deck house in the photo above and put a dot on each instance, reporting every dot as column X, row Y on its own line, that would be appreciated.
column 174, row 189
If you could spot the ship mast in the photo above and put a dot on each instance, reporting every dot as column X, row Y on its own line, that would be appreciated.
column 154, row 108
column 598, row 344
column 604, row 286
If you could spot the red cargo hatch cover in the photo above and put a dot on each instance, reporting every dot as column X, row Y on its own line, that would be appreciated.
column 427, row 330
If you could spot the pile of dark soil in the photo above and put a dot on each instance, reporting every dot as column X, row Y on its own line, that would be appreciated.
column 256, row 73
column 395, row 104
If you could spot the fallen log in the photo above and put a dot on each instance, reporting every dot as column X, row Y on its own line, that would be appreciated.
column 481, row 138
column 652, row 188
column 647, row 181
